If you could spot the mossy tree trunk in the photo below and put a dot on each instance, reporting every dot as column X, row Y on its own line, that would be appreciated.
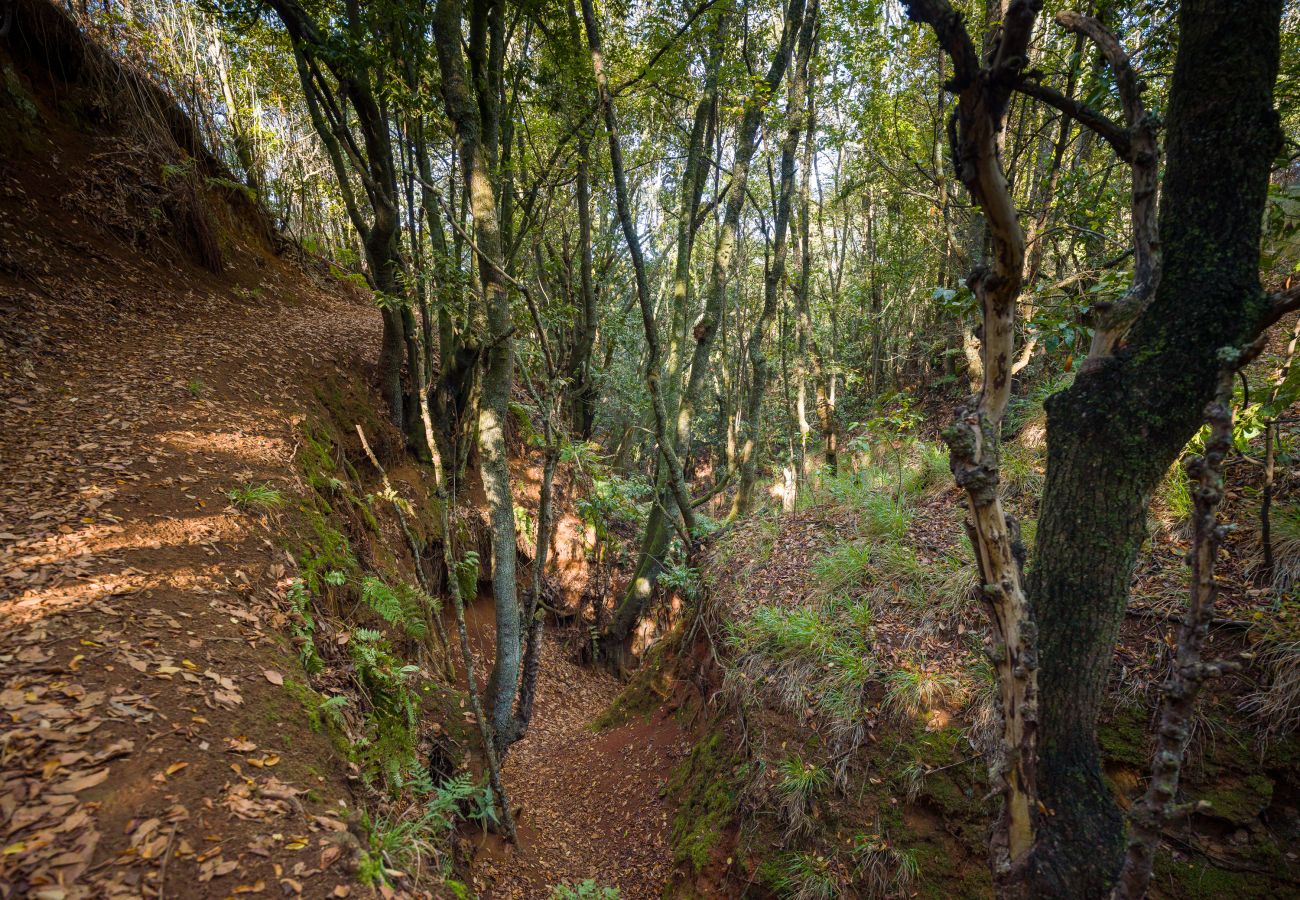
column 1134, row 405
column 1116, row 431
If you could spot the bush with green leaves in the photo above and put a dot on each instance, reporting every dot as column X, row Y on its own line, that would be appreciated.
column 681, row 578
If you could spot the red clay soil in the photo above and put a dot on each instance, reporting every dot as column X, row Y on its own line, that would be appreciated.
column 148, row 748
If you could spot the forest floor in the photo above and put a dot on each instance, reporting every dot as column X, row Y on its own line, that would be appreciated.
column 590, row 804
column 150, row 747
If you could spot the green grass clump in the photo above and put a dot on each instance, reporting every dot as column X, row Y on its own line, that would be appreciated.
column 801, row 876
column 845, row 566
column 255, row 496
column 910, row 692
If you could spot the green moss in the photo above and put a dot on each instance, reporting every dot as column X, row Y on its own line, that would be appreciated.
column 324, row 549
column 520, row 420
column 705, row 786
column 641, row 696
column 1123, row 739
column 1198, row 881
column 348, row 405
column 1238, row 800
column 943, row 877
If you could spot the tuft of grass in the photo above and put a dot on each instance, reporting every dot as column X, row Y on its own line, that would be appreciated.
column 802, row 876
column 196, row 388
column 1277, row 704
column 255, row 496
column 844, row 566
column 799, row 784
column 1174, row 502
column 910, row 692
column 1284, row 531
column 883, row 869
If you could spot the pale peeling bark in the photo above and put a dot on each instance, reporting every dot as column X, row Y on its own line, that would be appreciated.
column 983, row 93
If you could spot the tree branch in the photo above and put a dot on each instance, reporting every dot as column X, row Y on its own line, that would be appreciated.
column 1106, row 128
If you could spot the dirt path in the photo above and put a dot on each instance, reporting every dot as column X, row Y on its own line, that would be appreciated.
column 146, row 750
column 590, row 803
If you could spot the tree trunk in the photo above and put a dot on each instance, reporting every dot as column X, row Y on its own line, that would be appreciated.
column 1114, row 433
column 473, row 127
column 796, row 112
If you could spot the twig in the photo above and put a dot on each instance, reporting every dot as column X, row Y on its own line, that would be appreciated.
column 162, row 869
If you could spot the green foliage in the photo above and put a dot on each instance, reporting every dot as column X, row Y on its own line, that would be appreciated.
column 303, row 626
column 402, row 605
column 584, row 890
column 612, row 499
column 681, row 578
column 797, row 875
column 196, row 388
column 388, row 748
column 416, row 841
column 845, row 566
column 251, row 496
column 912, row 691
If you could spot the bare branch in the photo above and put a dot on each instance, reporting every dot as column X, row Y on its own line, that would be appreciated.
column 1144, row 159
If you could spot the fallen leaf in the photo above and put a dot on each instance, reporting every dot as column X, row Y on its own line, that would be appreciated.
column 273, row 676
column 80, row 783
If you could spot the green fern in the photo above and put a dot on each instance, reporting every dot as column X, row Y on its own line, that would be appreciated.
column 402, row 605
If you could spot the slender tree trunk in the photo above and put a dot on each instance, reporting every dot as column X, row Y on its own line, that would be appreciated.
column 797, row 113
column 472, row 130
